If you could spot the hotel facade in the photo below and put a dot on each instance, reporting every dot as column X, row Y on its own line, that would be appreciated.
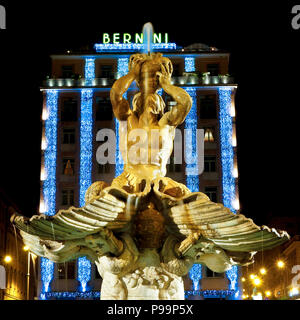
column 76, row 105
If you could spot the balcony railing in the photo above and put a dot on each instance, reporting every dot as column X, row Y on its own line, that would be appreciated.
column 205, row 80
column 106, row 82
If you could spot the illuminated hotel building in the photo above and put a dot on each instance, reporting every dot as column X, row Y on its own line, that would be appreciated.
column 76, row 105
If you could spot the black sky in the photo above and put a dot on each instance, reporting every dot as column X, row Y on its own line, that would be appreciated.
column 264, row 61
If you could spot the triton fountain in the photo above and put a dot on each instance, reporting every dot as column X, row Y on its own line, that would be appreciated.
column 145, row 231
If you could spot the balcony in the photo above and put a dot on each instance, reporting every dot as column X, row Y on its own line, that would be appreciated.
column 194, row 79
column 184, row 80
column 97, row 82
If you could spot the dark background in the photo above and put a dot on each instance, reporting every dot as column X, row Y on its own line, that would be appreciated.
column 264, row 62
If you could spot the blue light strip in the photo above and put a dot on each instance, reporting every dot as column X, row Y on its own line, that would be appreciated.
column 131, row 47
column 189, row 64
column 85, row 180
column 192, row 181
column 227, row 152
column 122, row 71
column 96, row 294
column 190, row 136
column 227, row 162
column 232, row 276
column 195, row 275
column 49, row 185
column 47, row 272
column 122, row 66
column 83, row 273
column 209, row 293
column 86, row 154
column 86, row 143
column 73, row 295
column 89, row 71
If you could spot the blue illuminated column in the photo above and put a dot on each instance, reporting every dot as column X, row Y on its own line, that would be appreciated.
column 227, row 163
column 192, row 181
column 190, row 136
column 86, row 154
column 85, row 178
column 86, row 143
column 49, row 184
column 195, row 275
column 122, row 71
column 89, row 72
column 227, row 151
column 189, row 64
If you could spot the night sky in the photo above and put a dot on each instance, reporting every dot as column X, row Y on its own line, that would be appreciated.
column 264, row 62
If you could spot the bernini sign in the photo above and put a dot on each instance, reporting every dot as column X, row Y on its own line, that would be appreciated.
column 117, row 38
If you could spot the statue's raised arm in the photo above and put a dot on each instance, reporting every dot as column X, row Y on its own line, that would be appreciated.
column 178, row 113
column 120, row 105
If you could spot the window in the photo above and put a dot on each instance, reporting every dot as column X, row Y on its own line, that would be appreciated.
column 68, row 166
column 173, row 167
column 69, row 109
column 68, row 136
column 212, row 193
column 67, row 197
column 169, row 105
column 292, row 258
column 211, row 274
column 209, row 135
column 66, row 270
column 176, row 70
column 97, row 275
column 208, row 107
column 213, row 69
column 103, row 168
column 103, row 109
column 209, row 163
column 67, row 71
column 106, row 71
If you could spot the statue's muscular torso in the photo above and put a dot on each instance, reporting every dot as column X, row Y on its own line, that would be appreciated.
column 143, row 152
column 146, row 149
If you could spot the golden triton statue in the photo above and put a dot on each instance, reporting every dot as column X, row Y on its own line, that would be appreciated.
column 145, row 231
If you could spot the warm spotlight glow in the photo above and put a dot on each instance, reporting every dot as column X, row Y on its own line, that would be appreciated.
column 280, row 264
column 234, row 142
column 244, row 296
column 252, row 276
column 7, row 259
column 235, row 172
column 256, row 281
column 45, row 114
column 42, row 206
column 43, row 174
column 236, row 204
column 268, row 293
column 263, row 271
column 232, row 109
column 243, row 279
column 25, row 248
column 294, row 291
column 44, row 143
